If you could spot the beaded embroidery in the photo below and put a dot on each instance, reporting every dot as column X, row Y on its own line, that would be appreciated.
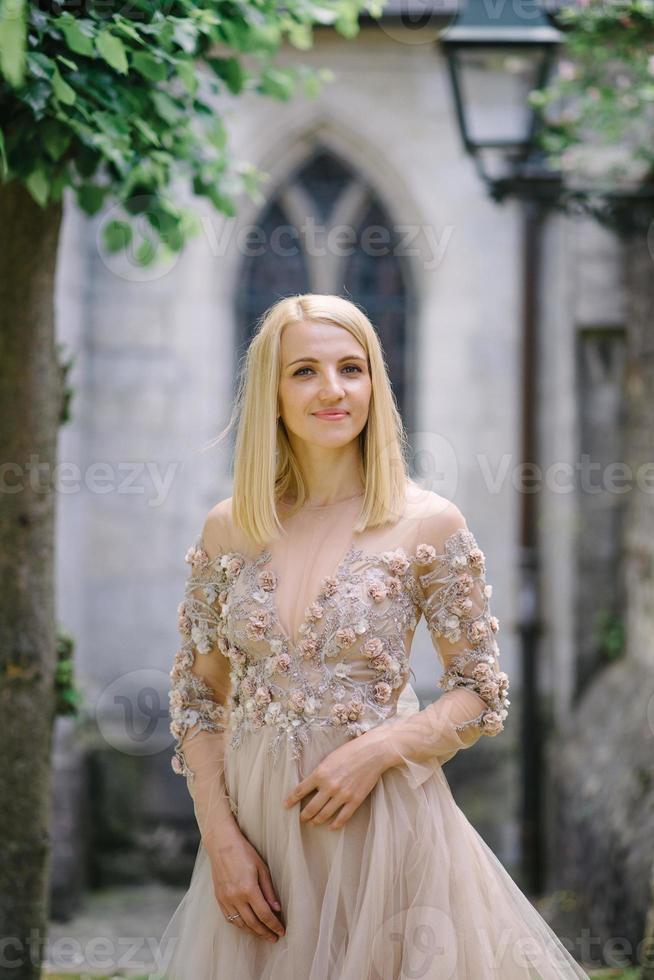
column 361, row 615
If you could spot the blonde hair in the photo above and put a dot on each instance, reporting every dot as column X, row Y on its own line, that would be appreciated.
column 265, row 466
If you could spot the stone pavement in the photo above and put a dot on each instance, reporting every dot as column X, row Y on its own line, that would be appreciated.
column 116, row 933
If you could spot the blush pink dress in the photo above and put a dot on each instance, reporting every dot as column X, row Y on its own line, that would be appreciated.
column 289, row 652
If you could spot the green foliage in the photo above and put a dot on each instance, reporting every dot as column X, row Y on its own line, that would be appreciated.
column 598, row 112
column 609, row 634
column 68, row 697
column 67, row 392
column 119, row 100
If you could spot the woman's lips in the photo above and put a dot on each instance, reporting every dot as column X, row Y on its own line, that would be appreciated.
column 330, row 415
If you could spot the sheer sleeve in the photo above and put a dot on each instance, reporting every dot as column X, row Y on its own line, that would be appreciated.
column 200, row 688
column 454, row 597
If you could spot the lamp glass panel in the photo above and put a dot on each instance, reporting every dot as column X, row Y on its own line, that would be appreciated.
column 494, row 86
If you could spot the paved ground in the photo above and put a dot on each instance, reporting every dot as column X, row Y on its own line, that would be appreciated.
column 116, row 934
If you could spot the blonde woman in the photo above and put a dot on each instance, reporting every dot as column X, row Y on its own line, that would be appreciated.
column 331, row 847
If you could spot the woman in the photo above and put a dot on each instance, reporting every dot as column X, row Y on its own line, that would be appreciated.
column 328, row 830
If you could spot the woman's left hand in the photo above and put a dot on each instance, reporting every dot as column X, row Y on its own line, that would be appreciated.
column 343, row 779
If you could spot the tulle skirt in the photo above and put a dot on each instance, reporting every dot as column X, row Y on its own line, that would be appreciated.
column 406, row 888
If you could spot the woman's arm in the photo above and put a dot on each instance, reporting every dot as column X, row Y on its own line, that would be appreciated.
column 199, row 709
column 201, row 686
column 454, row 597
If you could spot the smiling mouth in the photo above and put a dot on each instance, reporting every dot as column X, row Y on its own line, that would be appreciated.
column 330, row 415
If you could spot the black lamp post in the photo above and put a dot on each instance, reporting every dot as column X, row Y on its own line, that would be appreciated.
column 495, row 58
column 496, row 55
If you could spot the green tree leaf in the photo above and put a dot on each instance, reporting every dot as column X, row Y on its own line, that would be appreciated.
column 91, row 198
column 149, row 67
column 188, row 77
column 13, row 40
column 56, row 138
column 67, row 63
column 38, row 186
column 112, row 49
column 4, row 166
column 116, row 236
column 166, row 107
column 277, row 82
column 78, row 34
column 62, row 89
column 229, row 70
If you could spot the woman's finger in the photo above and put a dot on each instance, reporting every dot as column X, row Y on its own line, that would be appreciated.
column 330, row 808
column 255, row 925
column 233, row 922
column 315, row 804
column 301, row 790
column 343, row 816
column 265, row 915
column 267, row 887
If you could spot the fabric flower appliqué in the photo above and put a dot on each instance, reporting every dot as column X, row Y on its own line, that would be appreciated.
column 329, row 587
column 396, row 561
column 425, row 554
column 258, row 624
column 345, row 637
column 377, row 591
column 267, row 580
column 381, row 692
column 197, row 557
column 308, row 647
column 314, row 612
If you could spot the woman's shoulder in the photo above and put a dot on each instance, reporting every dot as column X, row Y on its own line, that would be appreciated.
column 438, row 517
column 218, row 528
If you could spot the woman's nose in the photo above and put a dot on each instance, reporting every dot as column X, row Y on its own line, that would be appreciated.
column 333, row 386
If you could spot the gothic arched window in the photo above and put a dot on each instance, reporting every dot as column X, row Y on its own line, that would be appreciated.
column 326, row 231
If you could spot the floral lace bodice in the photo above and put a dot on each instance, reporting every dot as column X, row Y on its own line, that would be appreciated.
column 348, row 661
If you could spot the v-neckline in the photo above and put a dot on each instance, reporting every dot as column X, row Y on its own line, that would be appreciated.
column 264, row 557
column 253, row 562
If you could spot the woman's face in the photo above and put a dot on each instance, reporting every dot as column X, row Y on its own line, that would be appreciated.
column 323, row 368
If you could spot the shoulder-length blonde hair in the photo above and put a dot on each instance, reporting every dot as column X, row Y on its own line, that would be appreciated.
column 265, row 466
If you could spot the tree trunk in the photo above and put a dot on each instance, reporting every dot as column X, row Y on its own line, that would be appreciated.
column 30, row 400
column 639, row 523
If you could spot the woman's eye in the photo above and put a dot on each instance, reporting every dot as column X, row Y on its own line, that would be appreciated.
column 355, row 366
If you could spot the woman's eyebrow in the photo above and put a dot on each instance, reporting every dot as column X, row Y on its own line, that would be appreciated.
column 315, row 360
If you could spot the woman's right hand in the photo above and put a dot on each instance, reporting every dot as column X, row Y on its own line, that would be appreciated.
column 242, row 883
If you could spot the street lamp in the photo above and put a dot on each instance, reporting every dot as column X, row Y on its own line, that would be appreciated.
column 497, row 54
